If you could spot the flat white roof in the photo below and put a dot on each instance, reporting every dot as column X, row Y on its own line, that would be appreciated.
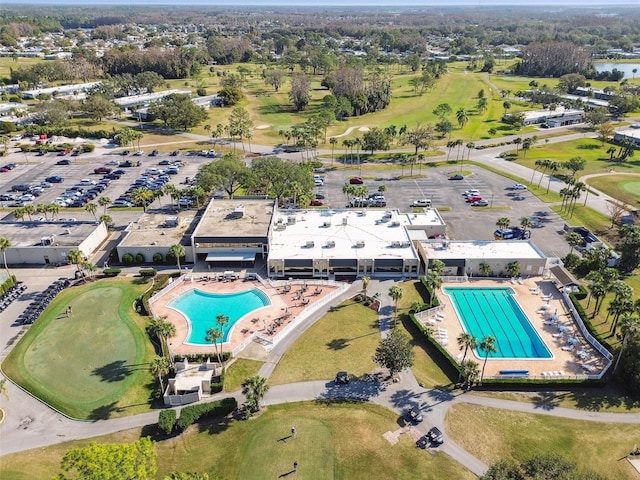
column 348, row 233
column 481, row 249
column 630, row 133
column 147, row 97
column 558, row 112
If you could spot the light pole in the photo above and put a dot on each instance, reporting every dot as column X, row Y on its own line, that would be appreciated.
column 491, row 205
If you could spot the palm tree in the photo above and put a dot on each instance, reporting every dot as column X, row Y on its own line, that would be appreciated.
column 333, row 141
column 53, row 208
column 513, row 269
column 75, row 256
column 553, row 167
column 104, row 202
column 92, row 207
column 395, row 293
column 503, row 222
column 365, row 284
column 526, row 223
column 487, row 345
column 470, row 146
column 29, row 210
column 482, row 104
column 106, row 219
column 254, row 389
column 177, row 251
column 629, row 327
column 213, row 336
column 160, row 366
column 222, row 320
column 462, row 117
column 485, row 269
column 506, row 106
column 469, row 371
column 4, row 244
column 162, row 330
column 142, row 196
column 573, row 239
column 466, row 341
column 42, row 208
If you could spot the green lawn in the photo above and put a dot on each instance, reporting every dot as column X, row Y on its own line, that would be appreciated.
column 336, row 441
column 493, row 434
column 94, row 364
column 344, row 339
column 625, row 188
column 238, row 372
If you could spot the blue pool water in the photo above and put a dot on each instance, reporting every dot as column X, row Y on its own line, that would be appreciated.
column 202, row 308
column 495, row 312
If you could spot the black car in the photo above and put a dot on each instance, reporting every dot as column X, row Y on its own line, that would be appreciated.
column 457, row 176
column 55, row 179
column 154, row 153
column 66, row 161
column 413, row 415
column 119, row 172
column 164, row 162
column 41, row 153
column 320, row 196
column 124, row 153
column 342, row 378
column 174, row 153
column 10, row 166
column 435, row 436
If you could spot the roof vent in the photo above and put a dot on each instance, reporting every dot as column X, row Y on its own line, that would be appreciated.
column 330, row 244
column 344, row 220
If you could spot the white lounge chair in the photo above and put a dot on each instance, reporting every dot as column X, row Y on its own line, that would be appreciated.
column 557, row 335
column 568, row 348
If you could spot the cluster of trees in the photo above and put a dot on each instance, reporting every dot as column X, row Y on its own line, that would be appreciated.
column 28, row 76
column 546, row 466
column 269, row 176
column 352, row 95
column 177, row 111
column 167, row 62
column 552, row 59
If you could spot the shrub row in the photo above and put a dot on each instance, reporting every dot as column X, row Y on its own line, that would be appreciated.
column 167, row 420
column 193, row 413
column 142, row 305
column 587, row 321
column 201, row 357
column 147, row 272
column 8, row 283
column 111, row 272
column 70, row 132
column 433, row 299
column 216, row 387
column 128, row 258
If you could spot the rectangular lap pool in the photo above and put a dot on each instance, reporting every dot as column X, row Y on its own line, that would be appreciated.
column 495, row 312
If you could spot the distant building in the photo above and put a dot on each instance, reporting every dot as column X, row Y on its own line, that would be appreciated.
column 633, row 133
column 553, row 118
column 61, row 90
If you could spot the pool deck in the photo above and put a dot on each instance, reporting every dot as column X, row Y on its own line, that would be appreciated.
column 286, row 306
column 533, row 295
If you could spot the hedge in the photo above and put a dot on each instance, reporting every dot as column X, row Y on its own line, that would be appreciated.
column 157, row 258
column 193, row 413
column 140, row 258
column 111, row 272
column 167, row 420
column 587, row 322
column 201, row 357
column 142, row 304
column 127, row 258
column 8, row 283
column 147, row 272
column 216, row 387
column 69, row 132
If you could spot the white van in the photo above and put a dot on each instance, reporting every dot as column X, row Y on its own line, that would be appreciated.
column 421, row 203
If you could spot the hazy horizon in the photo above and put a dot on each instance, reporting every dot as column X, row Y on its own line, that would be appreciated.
column 332, row 3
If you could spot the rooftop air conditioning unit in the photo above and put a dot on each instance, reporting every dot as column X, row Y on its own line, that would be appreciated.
column 360, row 244
column 395, row 244
column 291, row 220
column 310, row 244
column 395, row 224
column 330, row 244
column 344, row 220
column 326, row 224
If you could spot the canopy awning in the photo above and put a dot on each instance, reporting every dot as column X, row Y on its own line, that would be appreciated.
column 231, row 257
column 564, row 276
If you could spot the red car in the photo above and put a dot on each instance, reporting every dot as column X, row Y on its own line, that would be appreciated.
column 102, row 170
column 356, row 181
column 317, row 203
column 473, row 198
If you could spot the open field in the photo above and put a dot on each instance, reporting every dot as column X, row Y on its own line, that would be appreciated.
column 335, row 441
column 93, row 364
column 238, row 372
column 493, row 434
column 344, row 339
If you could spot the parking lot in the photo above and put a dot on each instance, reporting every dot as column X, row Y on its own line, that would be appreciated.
column 464, row 221
column 34, row 169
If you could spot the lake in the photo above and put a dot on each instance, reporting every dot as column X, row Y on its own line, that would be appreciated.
column 627, row 68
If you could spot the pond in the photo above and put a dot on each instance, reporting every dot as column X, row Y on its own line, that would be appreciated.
column 627, row 68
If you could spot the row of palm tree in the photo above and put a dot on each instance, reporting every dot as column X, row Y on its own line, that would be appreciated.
column 468, row 368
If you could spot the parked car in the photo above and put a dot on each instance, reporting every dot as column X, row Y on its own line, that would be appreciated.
column 421, row 203
column 41, row 153
column 66, row 161
column 86, row 182
column 316, row 202
column 125, row 153
column 7, row 197
column 35, row 191
column 121, row 203
column 473, row 198
column 356, row 180
column 45, row 184
column 102, row 170
column 318, row 182
column 320, row 196
column 119, row 172
column 10, row 166
column 185, row 202
column 4, row 169
column 138, row 153
column 55, row 179
column 154, row 153
column 174, row 153
column 20, row 187
column 471, row 191
column 172, row 170
column 342, row 378
column 164, row 162
column 27, row 197
column 518, row 186
column 435, row 436
column 480, row 203
column 413, row 415
column 457, row 176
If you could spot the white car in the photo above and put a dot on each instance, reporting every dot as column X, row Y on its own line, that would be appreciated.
column 471, row 193
column 518, row 186
column 318, row 182
column 421, row 203
column 185, row 202
column 86, row 182
column 27, row 197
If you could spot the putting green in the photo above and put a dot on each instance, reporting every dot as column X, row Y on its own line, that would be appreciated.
column 92, row 363
column 91, row 346
column 625, row 188
column 631, row 187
